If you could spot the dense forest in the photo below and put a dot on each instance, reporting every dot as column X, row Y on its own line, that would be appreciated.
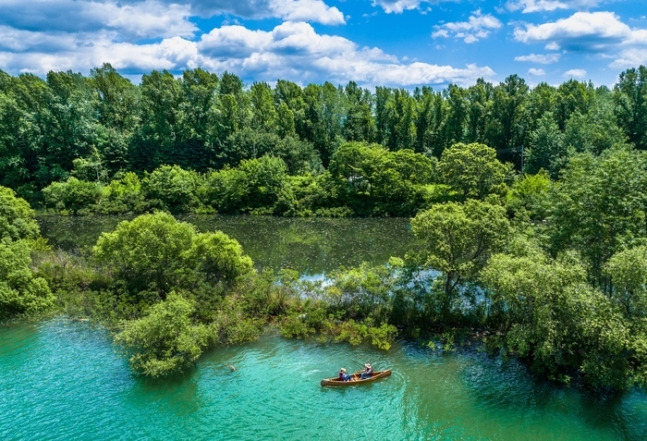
column 99, row 128
column 530, row 206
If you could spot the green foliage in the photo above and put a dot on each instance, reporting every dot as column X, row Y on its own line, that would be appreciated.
column 531, row 194
column 628, row 272
column 599, row 206
column 362, row 292
column 172, row 188
column 21, row 292
column 165, row 340
column 555, row 319
column 459, row 239
column 122, row 195
column 258, row 185
column 73, row 195
column 155, row 254
column 17, row 219
column 473, row 170
column 374, row 181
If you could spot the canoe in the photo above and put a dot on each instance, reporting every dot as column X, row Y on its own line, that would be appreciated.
column 337, row 382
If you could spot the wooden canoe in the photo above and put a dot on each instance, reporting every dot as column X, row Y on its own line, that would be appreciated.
column 356, row 379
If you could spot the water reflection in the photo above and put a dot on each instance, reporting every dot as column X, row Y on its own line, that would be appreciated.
column 310, row 246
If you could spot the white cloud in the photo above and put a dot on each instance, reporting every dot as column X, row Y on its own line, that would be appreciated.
column 306, row 10
column 154, row 18
column 142, row 19
column 292, row 51
column 575, row 73
column 296, row 51
column 477, row 27
column 594, row 31
column 528, row 6
column 539, row 58
column 536, row 72
column 397, row 6
column 630, row 58
column 600, row 33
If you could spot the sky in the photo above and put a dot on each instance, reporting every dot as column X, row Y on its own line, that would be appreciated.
column 394, row 43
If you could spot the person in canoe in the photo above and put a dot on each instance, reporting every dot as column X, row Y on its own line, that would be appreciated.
column 367, row 371
column 343, row 376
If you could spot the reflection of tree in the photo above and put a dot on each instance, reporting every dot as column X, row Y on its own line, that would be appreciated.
column 307, row 245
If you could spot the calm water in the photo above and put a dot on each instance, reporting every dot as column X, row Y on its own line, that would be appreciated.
column 310, row 246
column 64, row 380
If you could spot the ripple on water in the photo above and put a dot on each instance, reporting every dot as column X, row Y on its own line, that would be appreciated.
column 67, row 382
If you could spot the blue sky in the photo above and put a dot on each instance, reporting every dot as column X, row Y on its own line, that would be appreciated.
column 395, row 43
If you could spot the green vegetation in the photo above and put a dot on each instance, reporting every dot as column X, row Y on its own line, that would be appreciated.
column 21, row 291
column 530, row 206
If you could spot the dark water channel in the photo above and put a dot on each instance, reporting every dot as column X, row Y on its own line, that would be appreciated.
column 310, row 246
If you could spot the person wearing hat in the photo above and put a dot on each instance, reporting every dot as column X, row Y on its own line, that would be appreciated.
column 368, row 371
column 343, row 376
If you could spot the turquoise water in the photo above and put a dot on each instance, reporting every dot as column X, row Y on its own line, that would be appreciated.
column 64, row 380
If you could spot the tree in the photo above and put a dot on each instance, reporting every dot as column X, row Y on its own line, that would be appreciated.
column 373, row 180
column 458, row 113
column 430, row 114
column 531, row 194
column 173, row 188
column 630, row 96
column 358, row 123
column 166, row 340
column 563, row 326
column 507, row 130
column 546, row 149
column 154, row 254
column 628, row 271
column 572, row 97
column 479, row 99
column 73, row 195
column 458, row 240
column 21, row 292
column 472, row 170
column 599, row 207
column 17, row 219
column 118, row 115
column 160, row 115
column 264, row 115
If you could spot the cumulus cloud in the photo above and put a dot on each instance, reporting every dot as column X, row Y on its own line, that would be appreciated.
column 575, row 73
column 295, row 50
column 528, row 6
column 601, row 33
column 591, row 32
column 292, row 50
column 308, row 10
column 397, row 6
column 477, row 27
column 536, row 72
column 143, row 19
column 631, row 57
column 539, row 58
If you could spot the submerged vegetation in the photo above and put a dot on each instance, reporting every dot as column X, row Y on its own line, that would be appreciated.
column 530, row 205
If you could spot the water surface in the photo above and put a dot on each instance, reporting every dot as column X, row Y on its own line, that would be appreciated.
column 64, row 380
column 310, row 245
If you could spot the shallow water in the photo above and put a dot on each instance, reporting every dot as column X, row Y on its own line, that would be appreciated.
column 64, row 380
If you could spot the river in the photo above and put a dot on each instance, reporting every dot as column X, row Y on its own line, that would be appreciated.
column 65, row 380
